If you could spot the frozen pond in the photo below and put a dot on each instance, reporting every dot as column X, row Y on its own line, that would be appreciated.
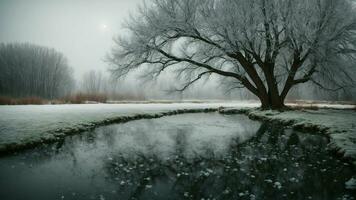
column 190, row 156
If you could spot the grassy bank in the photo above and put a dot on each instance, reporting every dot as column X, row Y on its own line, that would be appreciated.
column 338, row 125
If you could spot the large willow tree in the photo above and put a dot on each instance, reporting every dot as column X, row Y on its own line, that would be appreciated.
column 265, row 46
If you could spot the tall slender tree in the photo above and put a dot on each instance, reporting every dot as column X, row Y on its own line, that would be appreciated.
column 31, row 70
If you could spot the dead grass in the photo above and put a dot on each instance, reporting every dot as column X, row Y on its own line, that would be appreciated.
column 81, row 98
column 126, row 97
column 78, row 98
column 22, row 101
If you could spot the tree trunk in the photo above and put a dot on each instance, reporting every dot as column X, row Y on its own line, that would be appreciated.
column 270, row 101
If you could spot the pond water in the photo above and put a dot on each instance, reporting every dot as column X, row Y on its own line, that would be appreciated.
column 190, row 156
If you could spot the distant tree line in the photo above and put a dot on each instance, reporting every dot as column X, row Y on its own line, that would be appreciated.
column 28, row 70
column 31, row 70
column 95, row 83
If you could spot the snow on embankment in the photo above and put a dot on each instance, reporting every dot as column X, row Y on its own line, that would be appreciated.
column 27, row 126
column 339, row 125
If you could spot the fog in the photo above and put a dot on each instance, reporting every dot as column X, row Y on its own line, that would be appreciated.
column 83, row 30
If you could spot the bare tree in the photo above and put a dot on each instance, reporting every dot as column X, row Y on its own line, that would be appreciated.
column 93, row 82
column 31, row 70
column 265, row 46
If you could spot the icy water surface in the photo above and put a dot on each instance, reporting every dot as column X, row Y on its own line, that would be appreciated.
column 190, row 156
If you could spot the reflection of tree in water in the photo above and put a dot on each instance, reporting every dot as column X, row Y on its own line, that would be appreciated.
column 275, row 164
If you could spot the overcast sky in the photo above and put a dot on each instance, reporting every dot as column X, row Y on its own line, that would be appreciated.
column 81, row 29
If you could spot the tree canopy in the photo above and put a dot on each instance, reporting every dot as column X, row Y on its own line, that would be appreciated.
column 31, row 70
column 265, row 46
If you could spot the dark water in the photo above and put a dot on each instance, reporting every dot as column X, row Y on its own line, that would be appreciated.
column 191, row 156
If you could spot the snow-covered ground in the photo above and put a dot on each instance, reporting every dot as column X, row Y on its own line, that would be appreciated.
column 33, row 123
column 323, row 105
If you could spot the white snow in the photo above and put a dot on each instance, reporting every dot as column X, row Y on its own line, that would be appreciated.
column 351, row 184
column 277, row 185
column 31, row 123
column 322, row 105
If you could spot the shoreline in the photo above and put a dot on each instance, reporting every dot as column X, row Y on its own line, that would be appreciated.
column 342, row 140
column 60, row 133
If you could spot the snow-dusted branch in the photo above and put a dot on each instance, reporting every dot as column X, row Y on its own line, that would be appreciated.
column 268, row 46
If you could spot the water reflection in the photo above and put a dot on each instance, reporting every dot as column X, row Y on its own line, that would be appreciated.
column 192, row 156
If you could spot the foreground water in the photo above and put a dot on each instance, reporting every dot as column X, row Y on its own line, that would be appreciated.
column 190, row 156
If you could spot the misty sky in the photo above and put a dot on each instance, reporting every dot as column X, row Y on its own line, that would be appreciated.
column 80, row 29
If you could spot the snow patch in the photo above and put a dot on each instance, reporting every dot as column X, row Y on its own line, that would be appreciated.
column 351, row 184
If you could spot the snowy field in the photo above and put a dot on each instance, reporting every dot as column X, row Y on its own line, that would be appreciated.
column 31, row 123
column 28, row 124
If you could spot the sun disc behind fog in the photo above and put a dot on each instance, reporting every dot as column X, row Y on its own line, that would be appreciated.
column 104, row 27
